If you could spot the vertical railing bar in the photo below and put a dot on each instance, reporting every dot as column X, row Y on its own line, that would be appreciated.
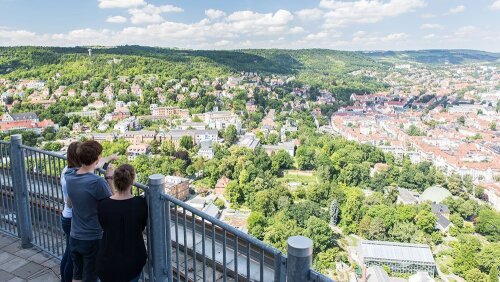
column 4, row 187
column 33, row 199
column 248, row 261
column 193, row 220
column 277, row 266
column 36, row 193
column 224, row 255
column 236, row 256
column 149, row 243
column 214, row 265
column 261, row 265
column 39, row 182
column 12, row 204
column 177, row 242
column 186, row 274
column 203, row 248
column 168, row 241
column 59, row 200
column 5, row 225
column 49, row 203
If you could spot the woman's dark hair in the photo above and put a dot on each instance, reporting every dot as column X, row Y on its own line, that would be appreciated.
column 124, row 177
column 71, row 155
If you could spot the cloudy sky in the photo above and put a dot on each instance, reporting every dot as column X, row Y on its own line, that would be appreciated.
column 234, row 24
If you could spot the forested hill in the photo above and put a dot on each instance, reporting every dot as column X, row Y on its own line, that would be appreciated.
column 40, row 61
column 435, row 56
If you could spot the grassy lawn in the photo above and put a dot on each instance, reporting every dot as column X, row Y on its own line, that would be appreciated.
column 303, row 177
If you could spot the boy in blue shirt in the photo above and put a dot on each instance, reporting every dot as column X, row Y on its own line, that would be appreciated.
column 85, row 190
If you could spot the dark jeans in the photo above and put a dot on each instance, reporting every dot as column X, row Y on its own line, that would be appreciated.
column 66, row 261
column 84, row 255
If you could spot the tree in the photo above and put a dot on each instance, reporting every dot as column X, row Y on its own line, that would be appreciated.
column 476, row 275
column 403, row 232
column 326, row 260
column 493, row 127
column 414, row 131
column 493, row 274
column 320, row 233
column 282, row 160
column 354, row 174
column 454, row 184
column 278, row 233
column 256, row 224
column 234, row 193
column 489, row 256
column 334, row 212
column 461, row 120
column 49, row 133
column 488, row 224
column 263, row 202
column 426, row 221
column 219, row 203
column 155, row 146
column 167, row 148
column 465, row 254
column 63, row 132
column 230, row 135
column 52, row 146
column 305, row 158
column 186, row 142
column 352, row 210
column 377, row 229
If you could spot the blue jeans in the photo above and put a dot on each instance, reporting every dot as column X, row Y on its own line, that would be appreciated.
column 66, row 261
column 84, row 255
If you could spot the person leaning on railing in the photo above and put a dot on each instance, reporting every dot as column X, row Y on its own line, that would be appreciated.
column 123, row 217
column 85, row 190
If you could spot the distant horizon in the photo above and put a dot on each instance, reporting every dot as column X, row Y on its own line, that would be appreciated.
column 271, row 48
column 347, row 25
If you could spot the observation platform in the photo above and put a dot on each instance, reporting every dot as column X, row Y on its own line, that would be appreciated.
column 18, row 264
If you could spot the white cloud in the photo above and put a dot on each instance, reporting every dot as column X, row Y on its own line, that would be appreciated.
column 495, row 5
column 465, row 31
column 456, row 10
column 365, row 11
column 214, row 14
column 431, row 26
column 310, row 14
column 151, row 13
column 316, row 36
column 116, row 19
column 394, row 36
column 430, row 36
column 106, row 4
column 297, row 29
column 222, row 43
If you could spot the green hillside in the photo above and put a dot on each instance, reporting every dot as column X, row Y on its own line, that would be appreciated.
column 454, row 57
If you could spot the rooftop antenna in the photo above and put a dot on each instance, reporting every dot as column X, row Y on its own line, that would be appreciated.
column 90, row 52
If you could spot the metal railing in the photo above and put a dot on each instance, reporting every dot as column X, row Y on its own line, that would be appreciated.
column 184, row 244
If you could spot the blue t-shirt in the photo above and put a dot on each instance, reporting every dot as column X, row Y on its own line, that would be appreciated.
column 85, row 191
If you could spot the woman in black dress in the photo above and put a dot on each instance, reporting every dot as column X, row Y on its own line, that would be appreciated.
column 123, row 217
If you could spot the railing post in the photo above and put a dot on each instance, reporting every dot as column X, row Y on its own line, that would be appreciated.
column 157, row 236
column 21, row 194
column 299, row 260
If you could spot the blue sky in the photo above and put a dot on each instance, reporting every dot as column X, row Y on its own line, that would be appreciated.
column 231, row 24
